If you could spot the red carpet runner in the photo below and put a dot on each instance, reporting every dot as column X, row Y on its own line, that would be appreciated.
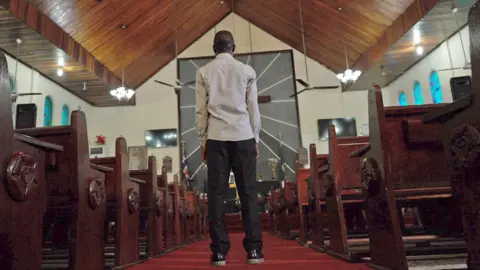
column 279, row 255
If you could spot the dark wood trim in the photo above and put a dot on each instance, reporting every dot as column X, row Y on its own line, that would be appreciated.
column 46, row 77
column 414, row 13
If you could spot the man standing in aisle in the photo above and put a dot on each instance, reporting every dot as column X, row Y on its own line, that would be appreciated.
column 228, row 122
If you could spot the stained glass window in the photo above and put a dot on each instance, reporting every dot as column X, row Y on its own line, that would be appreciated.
column 436, row 88
column 48, row 112
column 402, row 99
column 417, row 93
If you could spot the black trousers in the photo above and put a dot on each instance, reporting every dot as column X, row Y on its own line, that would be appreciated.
column 239, row 157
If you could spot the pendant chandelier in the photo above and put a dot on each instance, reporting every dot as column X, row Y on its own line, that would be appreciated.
column 348, row 76
column 122, row 93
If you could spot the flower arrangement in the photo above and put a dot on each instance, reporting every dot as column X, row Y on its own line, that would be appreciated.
column 100, row 140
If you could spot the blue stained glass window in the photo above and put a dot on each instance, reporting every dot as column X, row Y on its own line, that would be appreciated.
column 402, row 99
column 436, row 88
column 417, row 93
column 48, row 112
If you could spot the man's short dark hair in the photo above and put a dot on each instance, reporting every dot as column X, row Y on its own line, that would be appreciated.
column 223, row 41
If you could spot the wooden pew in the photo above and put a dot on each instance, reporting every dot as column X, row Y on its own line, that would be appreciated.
column 275, row 211
column 204, row 230
column 193, row 215
column 123, row 203
column 343, row 194
column 162, row 181
column 152, row 207
column 317, row 217
column 289, row 217
column 460, row 126
column 403, row 162
column 174, row 228
column 182, row 214
column 302, row 175
column 76, row 198
column 23, row 191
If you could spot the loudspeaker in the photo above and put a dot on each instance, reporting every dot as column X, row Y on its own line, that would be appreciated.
column 461, row 87
column 26, row 116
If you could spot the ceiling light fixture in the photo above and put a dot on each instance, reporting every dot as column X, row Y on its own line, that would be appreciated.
column 122, row 93
column 349, row 76
column 84, row 86
column 60, row 72
column 61, row 61
column 124, row 26
column 454, row 7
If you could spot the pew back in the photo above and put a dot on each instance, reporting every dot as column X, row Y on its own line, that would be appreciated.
column 123, row 202
column 73, row 184
column 151, row 206
column 413, row 148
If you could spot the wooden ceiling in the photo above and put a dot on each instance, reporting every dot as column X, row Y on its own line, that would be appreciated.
column 147, row 42
column 434, row 28
column 43, row 44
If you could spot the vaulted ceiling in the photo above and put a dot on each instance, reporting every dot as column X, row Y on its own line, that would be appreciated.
column 103, row 38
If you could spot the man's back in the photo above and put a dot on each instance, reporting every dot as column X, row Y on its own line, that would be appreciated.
column 228, row 123
column 228, row 84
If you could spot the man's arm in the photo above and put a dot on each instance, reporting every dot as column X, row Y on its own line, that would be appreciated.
column 252, row 104
column 201, row 110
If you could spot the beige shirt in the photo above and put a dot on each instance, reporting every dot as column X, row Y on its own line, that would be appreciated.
column 227, row 100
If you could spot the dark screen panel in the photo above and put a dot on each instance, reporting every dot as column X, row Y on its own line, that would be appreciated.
column 344, row 127
column 160, row 138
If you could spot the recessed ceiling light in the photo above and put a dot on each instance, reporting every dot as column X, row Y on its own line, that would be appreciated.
column 60, row 72
column 124, row 26
column 340, row 9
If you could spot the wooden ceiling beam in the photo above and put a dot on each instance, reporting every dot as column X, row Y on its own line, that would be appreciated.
column 44, row 42
column 414, row 13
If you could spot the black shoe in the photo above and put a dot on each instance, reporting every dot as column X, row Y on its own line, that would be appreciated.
column 218, row 259
column 255, row 257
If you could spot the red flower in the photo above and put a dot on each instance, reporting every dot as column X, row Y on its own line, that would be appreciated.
column 100, row 139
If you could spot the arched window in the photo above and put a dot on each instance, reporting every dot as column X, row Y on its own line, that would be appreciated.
column 417, row 93
column 402, row 99
column 48, row 112
column 65, row 115
column 436, row 88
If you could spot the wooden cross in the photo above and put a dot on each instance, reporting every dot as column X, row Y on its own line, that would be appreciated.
column 264, row 99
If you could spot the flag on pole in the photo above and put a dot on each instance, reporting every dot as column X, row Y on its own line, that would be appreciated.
column 184, row 166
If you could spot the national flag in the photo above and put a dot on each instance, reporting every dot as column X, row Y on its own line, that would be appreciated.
column 185, row 167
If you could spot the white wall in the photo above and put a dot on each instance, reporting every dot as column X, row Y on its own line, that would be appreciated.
column 436, row 60
column 30, row 81
column 157, row 105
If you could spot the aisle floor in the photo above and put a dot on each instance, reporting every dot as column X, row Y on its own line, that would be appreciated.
column 279, row 255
